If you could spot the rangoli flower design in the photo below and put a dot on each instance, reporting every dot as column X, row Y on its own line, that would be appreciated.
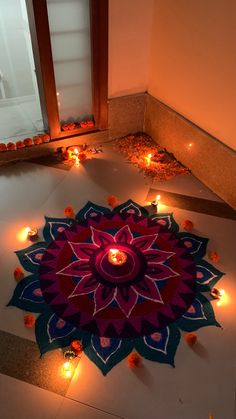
column 142, row 304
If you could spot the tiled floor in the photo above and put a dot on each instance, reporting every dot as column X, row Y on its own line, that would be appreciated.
column 203, row 381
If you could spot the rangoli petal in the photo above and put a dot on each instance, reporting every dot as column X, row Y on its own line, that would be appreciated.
column 101, row 238
column 144, row 242
column 103, row 296
column 87, row 284
column 148, row 289
column 123, row 235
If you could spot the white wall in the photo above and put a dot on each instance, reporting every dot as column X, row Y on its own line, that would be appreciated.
column 193, row 62
column 129, row 45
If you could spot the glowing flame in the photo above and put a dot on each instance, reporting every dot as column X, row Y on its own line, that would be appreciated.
column 67, row 369
column 223, row 298
column 148, row 159
column 23, row 234
column 113, row 252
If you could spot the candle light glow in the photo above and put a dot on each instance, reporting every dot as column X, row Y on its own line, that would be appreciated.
column 67, row 369
column 117, row 257
column 148, row 159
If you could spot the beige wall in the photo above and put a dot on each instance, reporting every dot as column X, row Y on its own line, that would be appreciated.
column 193, row 62
column 129, row 45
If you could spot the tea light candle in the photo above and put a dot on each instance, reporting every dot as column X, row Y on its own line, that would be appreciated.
column 117, row 257
column 155, row 203
column 32, row 233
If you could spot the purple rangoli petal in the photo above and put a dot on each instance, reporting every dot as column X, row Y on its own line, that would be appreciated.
column 86, row 285
column 144, row 242
column 103, row 296
column 159, row 272
column 154, row 256
column 76, row 268
column 148, row 289
column 126, row 299
column 83, row 250
column 101, row 238
column 124, row 235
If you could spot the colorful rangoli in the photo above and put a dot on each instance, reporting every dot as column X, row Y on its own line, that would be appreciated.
column 142, row 304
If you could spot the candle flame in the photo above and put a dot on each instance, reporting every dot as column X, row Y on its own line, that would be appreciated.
column 223, row 298
column 67, row 369
column 23, row 234
column 158, row 197
column 113, row 252
column 150, row 156
column 76, row 151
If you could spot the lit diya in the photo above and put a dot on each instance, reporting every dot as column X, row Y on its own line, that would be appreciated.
column 117, row 257
column 32, row 233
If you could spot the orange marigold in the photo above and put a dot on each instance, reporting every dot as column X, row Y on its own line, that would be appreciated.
column 20, row 144
column 214, row 256
column 18, row 274
column 69, row 212
column 11, row 146
column 112, row 201
column 45, row 138
column 77, row 347
column 37, row 140
column 134, row 360
column 28, row 142
column 90, row 123
column 83, row 124
column 29, row 320
column 187, row 225
column 82, row 156
column 190, row 338
column 3, row 147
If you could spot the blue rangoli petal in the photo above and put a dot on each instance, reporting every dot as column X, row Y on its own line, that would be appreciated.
column 160, row 346
column 91, row 210
column 131, row 208
column 52, row 332
column 196, row 245
column 30, row 257
column 199, row 314
column 107, row 352
column 166, row 220
column 207, row 276
column 28, row 295
column 58, row 328
column 55, row 226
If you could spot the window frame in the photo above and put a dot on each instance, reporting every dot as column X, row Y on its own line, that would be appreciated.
column 41, row 42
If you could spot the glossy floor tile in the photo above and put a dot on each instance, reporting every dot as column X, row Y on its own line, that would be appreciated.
column 203, row 381
column 24, row 401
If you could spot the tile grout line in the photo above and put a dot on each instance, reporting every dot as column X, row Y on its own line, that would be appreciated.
column 93, row 407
